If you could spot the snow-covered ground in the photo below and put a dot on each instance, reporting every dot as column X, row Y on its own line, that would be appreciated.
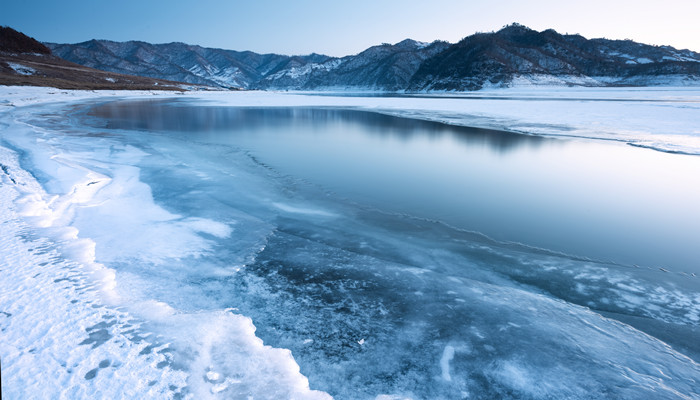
column 107, row 292
column 21, row 69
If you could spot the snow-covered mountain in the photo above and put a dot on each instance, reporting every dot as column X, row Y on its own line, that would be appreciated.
column 383, row 67
column 513, row 55
column 178, row 61
column 519, row 55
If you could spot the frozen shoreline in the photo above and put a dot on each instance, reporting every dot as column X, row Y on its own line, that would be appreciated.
column 46, row 272
column 83, row 181
column 98, row 344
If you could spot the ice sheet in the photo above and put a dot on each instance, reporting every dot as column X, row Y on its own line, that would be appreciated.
column 198, row 271
column 663, row 119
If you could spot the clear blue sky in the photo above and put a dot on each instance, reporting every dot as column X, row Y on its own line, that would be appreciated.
column 344, row 27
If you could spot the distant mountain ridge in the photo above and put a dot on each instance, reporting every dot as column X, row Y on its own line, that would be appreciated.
column 383, row 67
column 517, row 52
column 513, row 55
column 179, row 61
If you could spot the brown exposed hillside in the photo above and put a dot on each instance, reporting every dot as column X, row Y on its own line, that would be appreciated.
column 12, row 41
column 26, row 62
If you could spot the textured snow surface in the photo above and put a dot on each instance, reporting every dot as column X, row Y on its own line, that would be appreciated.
column 59, row 339
column 137, row 266
column 68, row 330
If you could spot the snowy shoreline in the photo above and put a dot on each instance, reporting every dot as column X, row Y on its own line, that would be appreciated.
column 100, row 345
column 113, row 349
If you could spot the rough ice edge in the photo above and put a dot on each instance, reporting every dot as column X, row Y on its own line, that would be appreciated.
column 58, row 333
column 203, row 334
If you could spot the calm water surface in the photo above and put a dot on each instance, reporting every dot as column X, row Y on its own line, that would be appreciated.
column 602, row 200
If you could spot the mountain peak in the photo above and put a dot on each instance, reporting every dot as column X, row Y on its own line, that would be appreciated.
column 516, row 29
column 410, row 43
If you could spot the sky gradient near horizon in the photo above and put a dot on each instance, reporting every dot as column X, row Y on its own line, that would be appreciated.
column 341, row 28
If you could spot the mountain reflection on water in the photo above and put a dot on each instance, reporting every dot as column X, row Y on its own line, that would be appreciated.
column 159, row 115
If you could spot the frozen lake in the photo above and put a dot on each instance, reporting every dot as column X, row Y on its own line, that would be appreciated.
column 327, row 249
column 595, row 199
